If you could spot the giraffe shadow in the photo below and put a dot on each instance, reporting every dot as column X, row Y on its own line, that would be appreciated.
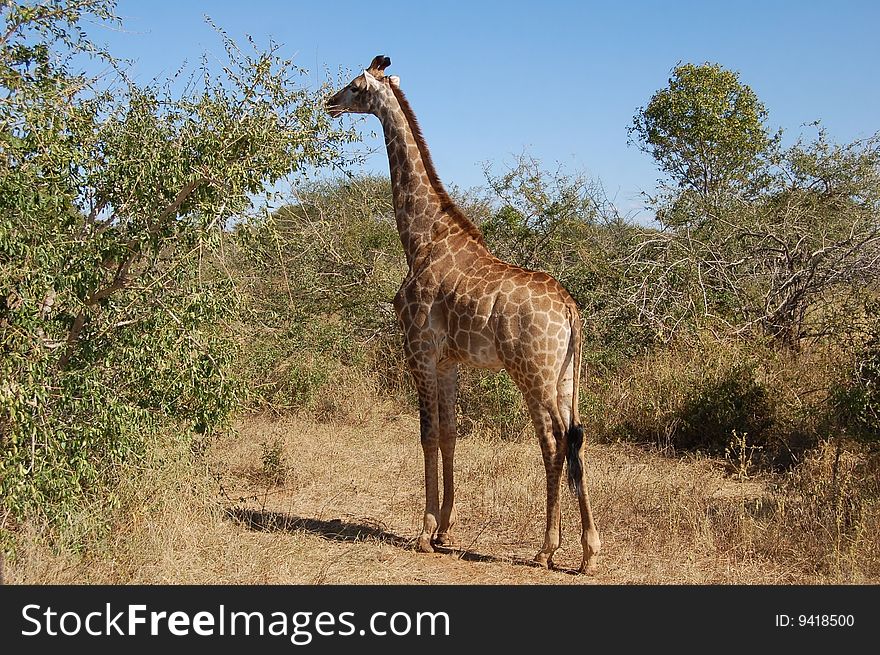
column 470, row 556
column 335, row 529
column 346, row 531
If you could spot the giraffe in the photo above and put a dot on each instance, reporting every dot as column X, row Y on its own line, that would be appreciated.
column 460, row 305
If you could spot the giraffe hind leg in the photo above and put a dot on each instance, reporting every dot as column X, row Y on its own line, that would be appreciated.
column 578, row 481
column 552, row 440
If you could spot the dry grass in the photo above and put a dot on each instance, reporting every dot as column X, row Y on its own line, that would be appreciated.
column 350, row 506
column 759, row 407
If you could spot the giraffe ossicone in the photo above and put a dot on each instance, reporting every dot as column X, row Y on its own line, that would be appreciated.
column 461, row 305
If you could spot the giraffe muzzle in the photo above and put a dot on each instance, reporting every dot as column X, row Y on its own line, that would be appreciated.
column 332, row 106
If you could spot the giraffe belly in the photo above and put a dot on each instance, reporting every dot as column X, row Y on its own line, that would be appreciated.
column 474, row 349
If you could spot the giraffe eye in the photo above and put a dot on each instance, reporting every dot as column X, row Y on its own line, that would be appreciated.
column 355, row 89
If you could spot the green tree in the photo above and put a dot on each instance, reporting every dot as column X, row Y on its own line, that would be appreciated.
column 113, row 197
column 708, row 132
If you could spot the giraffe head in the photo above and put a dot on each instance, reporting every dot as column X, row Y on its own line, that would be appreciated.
column 364, row 94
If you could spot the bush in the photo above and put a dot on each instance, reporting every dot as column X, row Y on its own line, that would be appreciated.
column 316, row 280
column 275, row 467
column 491, row 403
column 746, row 402
column 734, row 405
column 113, row 198
column 857, row 397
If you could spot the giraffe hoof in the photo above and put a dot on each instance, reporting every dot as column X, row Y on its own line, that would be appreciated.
column 543, row 560
column 589, row 567
column 424, row 544
column 444, row 539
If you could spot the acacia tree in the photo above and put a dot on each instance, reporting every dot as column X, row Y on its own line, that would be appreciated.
column 800, row 260
column 708, row 132
column 813, row 241
column 754, row 236
column 112, row 196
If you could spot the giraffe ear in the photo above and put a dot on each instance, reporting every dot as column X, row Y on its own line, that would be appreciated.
column 378, row 66
column 395, row 81
column 370, row 79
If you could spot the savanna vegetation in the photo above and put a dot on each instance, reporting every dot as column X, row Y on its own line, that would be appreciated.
column 149, row 300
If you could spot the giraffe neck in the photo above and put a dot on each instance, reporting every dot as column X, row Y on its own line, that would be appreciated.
column 422, row 208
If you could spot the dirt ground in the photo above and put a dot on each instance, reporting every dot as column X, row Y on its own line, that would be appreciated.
column 351, row 504
column 298, row 501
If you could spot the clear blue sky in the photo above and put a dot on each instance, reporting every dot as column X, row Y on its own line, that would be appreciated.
column 560, row 80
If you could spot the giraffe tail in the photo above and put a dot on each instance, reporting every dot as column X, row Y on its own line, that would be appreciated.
column 575, row 430
column 573, row 458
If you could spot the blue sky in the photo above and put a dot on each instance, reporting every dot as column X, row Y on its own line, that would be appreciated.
column 559, row 80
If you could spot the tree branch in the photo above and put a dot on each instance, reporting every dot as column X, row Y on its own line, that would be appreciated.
column 121, row 278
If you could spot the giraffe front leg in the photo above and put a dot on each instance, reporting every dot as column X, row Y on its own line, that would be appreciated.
column 446, row 389
column 432, row 496
column 429, row 430
column 447, row 510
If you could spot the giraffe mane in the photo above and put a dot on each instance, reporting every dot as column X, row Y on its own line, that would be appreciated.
column 446, row 203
